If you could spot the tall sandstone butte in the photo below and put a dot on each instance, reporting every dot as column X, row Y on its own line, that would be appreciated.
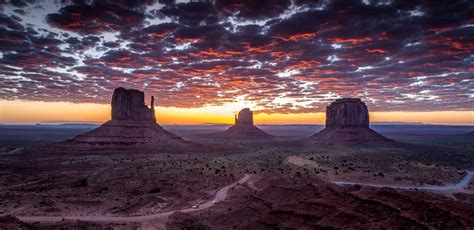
column 133, row 124
column 243, row 128
column 347, row 112
column 245, row 117
column 347, row 119
column 129, row 104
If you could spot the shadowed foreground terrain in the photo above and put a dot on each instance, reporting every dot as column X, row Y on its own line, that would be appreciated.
column 289, row 182
column 283, row 202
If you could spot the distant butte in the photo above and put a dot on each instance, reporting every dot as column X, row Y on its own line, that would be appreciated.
column 133, row 124
column 243, row 128
column 347, row 119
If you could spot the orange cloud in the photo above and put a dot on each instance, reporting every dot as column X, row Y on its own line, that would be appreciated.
column 380, row 51
column 297, row 37
column 354, row 41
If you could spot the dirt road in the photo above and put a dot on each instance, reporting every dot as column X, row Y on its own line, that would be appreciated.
column 220, row 195
column 460, row 187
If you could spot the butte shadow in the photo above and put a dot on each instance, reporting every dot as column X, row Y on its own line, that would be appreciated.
column 347, row 120
column 243, row 128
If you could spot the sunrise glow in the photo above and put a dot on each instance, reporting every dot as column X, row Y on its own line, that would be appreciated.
column 62, row 112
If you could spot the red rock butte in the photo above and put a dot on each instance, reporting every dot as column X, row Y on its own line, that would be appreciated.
column 347, row 119
column 133, row 124
column 129, row 104
column 243, row 128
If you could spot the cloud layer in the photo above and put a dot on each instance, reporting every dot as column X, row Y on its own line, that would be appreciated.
column 282, row 56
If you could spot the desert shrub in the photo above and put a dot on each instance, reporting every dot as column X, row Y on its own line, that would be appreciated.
column 82, row 182
column 155, row 190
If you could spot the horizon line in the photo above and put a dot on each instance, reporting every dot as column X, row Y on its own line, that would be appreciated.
column 58, row 123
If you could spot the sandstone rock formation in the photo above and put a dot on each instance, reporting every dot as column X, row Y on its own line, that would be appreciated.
column 347, row 112
column 245, row 117
column 133, row 124
column 243, row 128
column 347, row 119
column 129, row 104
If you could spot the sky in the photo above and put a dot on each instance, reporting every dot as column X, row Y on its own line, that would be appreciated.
column 203, row 61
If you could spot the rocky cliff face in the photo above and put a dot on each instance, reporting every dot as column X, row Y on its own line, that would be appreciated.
column 129, row 104
column 244, row 117
column 347, row 119
column 347, row 112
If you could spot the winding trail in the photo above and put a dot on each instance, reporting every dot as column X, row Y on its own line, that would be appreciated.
column 460, row 187
column 220, row 195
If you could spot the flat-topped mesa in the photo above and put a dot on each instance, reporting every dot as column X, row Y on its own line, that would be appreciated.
column 347, row 112
column 245, row 117
column 347, row 119
column 129, row 104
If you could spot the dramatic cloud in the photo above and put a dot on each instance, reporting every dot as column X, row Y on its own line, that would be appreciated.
column 282, row 56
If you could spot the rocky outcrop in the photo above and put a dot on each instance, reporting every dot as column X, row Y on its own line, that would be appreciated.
column 129, row 104
column 133, row 124
column 245, row 117
column 242, row 129
column 347, row 119
column 347, row 112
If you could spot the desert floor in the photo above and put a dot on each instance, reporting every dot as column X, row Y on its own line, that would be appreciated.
column 146, row 189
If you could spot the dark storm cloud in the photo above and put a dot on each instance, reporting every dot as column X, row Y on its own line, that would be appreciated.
column 252, row 9
column 192, row 13
column 19, row 3
column 98, row 16
column 285, row 56
column 10, row 22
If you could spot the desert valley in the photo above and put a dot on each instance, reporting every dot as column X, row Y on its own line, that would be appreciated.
column 131, row 173
column 236, row 114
